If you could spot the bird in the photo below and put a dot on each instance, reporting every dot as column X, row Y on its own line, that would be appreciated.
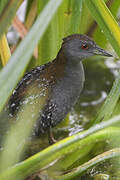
column 56, row 84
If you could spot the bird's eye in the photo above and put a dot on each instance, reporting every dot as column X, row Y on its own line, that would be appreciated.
column 84, row 46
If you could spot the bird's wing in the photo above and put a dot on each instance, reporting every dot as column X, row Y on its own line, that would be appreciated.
column 32, row 92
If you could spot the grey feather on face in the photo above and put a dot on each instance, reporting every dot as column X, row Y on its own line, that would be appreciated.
column 79, row 47
column 73, row 49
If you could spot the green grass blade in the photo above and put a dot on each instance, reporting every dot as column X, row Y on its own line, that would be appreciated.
column 106, row 22
column 94, row 29
column 10, row 75
column 47, row 47
column 110, row 103
column 83, row 150
column 62, row 24
column 76, row 16
column 46, row 156
column 2, row 5
column 83, row 168
column 8, row 14
column 112, row 32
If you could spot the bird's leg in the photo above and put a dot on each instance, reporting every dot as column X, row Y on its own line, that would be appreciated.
column 51, row 138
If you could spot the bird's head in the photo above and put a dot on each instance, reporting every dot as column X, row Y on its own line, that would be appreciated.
column 78, row 47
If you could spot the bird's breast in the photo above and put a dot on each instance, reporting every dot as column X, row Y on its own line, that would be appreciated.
column 72, row 83
column 66, row 92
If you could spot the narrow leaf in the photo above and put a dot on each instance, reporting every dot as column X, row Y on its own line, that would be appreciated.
column 8, row 14
column 40, row 160
column 4, row 50
column 83, row 168
column 106, row 22
column 111, row 30
column 10, row 75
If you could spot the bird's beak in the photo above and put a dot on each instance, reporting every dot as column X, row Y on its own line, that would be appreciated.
column 102, row 52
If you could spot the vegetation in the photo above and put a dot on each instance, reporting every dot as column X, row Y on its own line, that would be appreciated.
column 46, row 23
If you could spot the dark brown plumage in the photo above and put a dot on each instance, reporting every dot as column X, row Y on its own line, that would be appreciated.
column 58, row 83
